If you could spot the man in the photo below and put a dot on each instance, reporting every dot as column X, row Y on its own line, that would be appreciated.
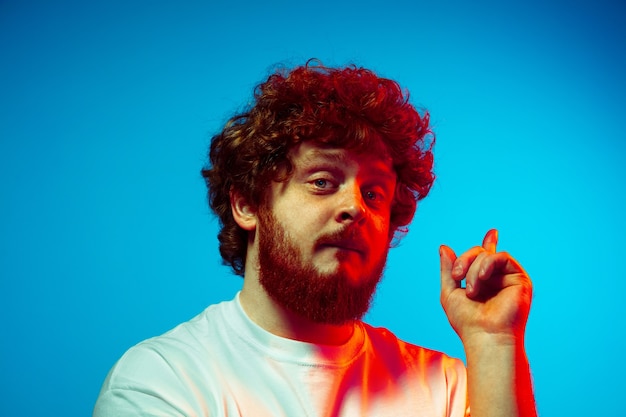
column 311, row 186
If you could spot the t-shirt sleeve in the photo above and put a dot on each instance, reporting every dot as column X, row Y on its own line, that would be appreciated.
column 143, row 383
column 456, row 378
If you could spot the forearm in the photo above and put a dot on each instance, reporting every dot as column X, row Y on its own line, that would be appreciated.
column 499, row 381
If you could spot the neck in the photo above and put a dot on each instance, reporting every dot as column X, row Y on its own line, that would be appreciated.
column 266, row 313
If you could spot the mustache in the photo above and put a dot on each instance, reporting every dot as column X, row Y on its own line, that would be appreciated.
column 347, row 236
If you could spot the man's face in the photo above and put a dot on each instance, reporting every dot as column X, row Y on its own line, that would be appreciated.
column 324, row 239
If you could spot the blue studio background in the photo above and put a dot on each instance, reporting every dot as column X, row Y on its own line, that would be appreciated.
column 107, row 108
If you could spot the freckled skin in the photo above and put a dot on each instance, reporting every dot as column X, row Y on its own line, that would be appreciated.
column 332, row 190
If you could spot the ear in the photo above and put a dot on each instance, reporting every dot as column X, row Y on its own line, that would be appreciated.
column 243, row 212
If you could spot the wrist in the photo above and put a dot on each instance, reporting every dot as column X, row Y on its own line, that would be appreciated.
column 499, row 382
column 489, row 343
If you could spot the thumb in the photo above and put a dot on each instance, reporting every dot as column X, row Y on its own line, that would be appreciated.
column 446, row 259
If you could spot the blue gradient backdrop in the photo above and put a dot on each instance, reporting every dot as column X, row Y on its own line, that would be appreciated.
column 107, row 107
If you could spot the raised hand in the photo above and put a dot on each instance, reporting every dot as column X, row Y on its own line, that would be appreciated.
column 497, row 294
column 490, row 316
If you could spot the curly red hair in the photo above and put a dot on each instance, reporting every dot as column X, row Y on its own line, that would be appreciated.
column 346, row 107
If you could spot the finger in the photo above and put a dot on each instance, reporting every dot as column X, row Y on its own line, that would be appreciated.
column 473, row 281
column 463, row 262
column 503, row 264
column 490, row 241
column 446, row 259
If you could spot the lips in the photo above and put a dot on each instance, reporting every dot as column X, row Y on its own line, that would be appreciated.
column 346, row 240
column 349, row 246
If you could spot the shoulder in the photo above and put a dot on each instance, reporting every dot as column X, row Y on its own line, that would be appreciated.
column 189, row 341
column 433, row 379
column 162, row 371
column 390, row 348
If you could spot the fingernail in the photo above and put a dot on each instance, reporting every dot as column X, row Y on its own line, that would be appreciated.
column 469, row 287
column 458, row 270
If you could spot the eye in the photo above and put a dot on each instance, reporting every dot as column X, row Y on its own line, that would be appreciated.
column 372, row 196
column 321, row 183
column 376, row 196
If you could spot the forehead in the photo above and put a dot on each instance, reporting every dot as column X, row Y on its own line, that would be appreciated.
column 309, row 154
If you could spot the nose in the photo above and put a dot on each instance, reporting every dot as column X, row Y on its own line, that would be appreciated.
column 351, row 207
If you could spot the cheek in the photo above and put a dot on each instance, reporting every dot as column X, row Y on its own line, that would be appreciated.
column 381, row 231
column 302, row 222
column 381, row 222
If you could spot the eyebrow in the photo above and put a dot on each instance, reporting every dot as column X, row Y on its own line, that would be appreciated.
column 339, row 157
column 330, row 156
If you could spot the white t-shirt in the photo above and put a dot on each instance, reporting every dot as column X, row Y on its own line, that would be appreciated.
column 220, row 363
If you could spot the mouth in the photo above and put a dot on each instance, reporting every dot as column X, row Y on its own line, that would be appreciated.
column 344, row 241
column 345, row 246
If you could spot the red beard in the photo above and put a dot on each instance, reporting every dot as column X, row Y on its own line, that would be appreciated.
column 323, row 298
